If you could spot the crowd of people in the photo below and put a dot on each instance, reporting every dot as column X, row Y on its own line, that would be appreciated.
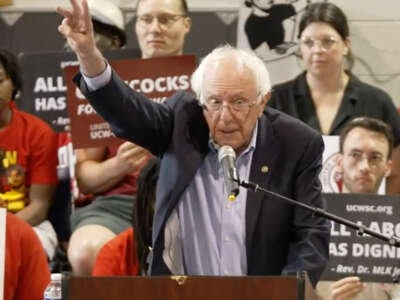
column 157, row 204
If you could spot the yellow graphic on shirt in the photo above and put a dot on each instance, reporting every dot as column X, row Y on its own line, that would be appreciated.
column 14, row 198
column 9, row 158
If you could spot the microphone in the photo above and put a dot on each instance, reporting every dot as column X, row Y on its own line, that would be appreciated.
column 227, row 157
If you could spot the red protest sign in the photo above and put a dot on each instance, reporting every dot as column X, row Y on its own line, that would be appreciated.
column 156, row 78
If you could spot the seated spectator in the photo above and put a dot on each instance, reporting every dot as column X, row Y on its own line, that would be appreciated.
column 366, row 146
column 105, row 175
column 108, row 23
column 327, row 95
column 28, row 158
column 365, row 150
column 126, row 254
column 26, row 270
column 109, row 173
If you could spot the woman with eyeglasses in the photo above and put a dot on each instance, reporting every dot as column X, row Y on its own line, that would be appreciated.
column 327, row 95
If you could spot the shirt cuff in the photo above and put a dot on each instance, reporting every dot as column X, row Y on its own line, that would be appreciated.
column 97, row 82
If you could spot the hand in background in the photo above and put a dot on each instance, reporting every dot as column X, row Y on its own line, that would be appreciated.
column 131, row 157
column 346, row 289
column 97, row 173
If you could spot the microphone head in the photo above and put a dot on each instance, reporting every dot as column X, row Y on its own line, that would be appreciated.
column 226, row 151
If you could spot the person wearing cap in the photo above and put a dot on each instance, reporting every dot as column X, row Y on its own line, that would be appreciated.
column 109, row 173
column 108, row 24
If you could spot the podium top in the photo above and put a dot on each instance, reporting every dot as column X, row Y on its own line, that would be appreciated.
column 189, row 287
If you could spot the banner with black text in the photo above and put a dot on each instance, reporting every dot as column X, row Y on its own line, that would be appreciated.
column 352, row 254
column 44, row 90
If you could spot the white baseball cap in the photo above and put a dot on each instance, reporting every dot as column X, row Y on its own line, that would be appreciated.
column 108, row 13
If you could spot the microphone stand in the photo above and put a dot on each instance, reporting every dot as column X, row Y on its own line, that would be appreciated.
column 360, row 229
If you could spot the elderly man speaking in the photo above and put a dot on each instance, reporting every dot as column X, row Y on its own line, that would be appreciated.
column 196, row 229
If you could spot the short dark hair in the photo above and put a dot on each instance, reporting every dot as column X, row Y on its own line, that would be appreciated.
column 370, row 124
column 184, row 6
column 11, row 67
column 143, row 210
column 330, row 14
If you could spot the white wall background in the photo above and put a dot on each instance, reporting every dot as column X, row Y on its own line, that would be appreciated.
column 374, row 25
column 375, row 33
column 375, row 36
column 194, row 5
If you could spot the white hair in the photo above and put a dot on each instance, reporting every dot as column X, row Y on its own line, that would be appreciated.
column 247, row 59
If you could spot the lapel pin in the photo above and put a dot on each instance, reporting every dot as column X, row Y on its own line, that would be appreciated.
column 264, row 169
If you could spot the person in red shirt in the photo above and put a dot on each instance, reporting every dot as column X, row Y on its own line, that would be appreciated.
column 105, row 176
column 26, row 270
column 28, row 158
column 125, row 255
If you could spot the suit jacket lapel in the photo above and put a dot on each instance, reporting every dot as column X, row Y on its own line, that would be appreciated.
column 189, row 147
column 262, row 162
column 194, row 149
column 345, row 111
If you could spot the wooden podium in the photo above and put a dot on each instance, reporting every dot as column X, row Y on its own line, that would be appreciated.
column 188, row 288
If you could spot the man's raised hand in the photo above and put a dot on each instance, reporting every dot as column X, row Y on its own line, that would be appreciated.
column 77, row 28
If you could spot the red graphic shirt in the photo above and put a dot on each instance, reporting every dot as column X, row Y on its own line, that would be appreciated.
column 28, row 155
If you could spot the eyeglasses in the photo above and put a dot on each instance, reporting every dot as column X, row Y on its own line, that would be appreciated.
column 164, row 20
column 373, row 160
column 326, row 43
column 237, row 105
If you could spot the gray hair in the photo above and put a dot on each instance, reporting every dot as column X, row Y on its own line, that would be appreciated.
column 247, row 59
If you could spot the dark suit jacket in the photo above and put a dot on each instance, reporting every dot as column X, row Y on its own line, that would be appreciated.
column 280, row 238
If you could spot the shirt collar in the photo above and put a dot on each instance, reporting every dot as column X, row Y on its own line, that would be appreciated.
column 301, row 87
column 351, row 93
column 352, row 88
